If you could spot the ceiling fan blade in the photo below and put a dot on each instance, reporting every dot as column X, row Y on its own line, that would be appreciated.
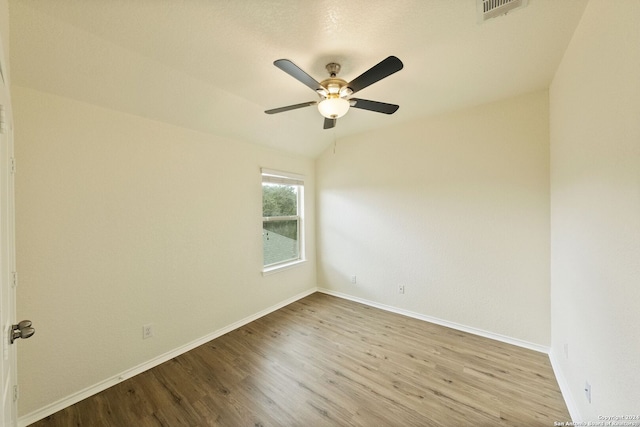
column 378, row 107
column 378, row 72
column 329, row 123
column 296, row 72
column 291, row 107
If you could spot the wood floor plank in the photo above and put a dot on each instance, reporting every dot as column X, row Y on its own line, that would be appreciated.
column 326, row 361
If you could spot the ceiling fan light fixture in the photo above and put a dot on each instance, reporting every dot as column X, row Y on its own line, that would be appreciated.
column 345, row 91
column 333, row 88
column 334, row 107
column 322, row 92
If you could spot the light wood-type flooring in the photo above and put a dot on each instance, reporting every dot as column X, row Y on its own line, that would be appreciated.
column 326, row 361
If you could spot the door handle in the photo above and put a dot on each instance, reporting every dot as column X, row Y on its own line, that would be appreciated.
column 22, row 330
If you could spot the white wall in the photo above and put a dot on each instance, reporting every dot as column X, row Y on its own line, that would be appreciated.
column 454, row 207
column 595, row 212
column 123, row 221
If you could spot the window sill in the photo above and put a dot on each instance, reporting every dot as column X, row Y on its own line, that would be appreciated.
column 280, row 267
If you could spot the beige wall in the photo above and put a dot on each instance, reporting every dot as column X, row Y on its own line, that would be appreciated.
column 455, row 207
column 4, row 32
column 595, row 211
column 123, row 221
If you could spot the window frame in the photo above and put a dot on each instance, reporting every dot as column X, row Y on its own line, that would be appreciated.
column 293, row 179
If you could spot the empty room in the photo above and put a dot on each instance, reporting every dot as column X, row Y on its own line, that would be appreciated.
column 327, row 213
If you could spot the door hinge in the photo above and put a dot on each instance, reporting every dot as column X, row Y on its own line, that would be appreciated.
column 16, row 393
column 12, row 165
column 14, row 279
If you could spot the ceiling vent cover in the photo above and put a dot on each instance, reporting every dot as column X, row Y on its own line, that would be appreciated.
column 488, row 9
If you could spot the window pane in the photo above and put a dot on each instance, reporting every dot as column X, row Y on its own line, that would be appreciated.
column 279, row 200
column 280, row 241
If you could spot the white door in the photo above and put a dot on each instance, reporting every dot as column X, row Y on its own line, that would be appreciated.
column 8, row 416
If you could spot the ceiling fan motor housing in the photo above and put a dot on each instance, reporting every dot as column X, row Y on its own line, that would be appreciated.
column 333, row 86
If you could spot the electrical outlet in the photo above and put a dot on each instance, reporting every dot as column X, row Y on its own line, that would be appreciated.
column 401, row 289
column 353, row 279
column 587, row 391
column 147, row 331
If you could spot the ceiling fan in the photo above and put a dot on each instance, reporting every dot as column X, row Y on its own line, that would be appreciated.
column 335, row 93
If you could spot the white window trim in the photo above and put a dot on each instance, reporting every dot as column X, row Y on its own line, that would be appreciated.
column 266, row 271
column 281, row 177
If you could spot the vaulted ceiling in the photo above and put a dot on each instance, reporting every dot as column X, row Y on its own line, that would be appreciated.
column 208, row 64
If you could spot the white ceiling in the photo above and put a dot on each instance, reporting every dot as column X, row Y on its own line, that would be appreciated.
column 208, row 64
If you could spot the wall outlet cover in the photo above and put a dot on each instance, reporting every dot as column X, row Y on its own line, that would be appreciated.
column 147, row 331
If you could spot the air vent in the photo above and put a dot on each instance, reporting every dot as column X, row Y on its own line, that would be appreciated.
column 488, row 9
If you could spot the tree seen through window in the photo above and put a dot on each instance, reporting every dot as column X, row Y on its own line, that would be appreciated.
column 281, row 223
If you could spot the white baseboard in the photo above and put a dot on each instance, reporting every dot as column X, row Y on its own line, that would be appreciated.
column 509, row 340
column 564, row 388
column 562, row 382
column 109, row 382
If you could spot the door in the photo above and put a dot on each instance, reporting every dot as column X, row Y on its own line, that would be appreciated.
column 8, row 417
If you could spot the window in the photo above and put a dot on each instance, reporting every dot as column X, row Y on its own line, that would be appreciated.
column 282, row 207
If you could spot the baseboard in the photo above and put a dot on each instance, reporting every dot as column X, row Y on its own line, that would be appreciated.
column 109, row 382
column 509, row 340
column 564, row 388
column 555, row 365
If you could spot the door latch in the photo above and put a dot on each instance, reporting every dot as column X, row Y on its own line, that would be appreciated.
column 22, row 330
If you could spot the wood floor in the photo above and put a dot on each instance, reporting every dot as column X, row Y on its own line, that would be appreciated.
column 325, row 361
